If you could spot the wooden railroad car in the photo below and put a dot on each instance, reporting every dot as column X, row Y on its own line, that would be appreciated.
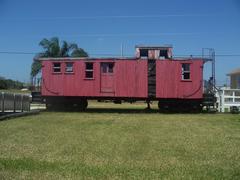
column 152, row 75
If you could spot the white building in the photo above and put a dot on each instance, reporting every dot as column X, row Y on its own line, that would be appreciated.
column 226, row 98
column 229, row 96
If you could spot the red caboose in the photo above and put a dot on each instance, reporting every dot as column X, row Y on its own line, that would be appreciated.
column 152, row 75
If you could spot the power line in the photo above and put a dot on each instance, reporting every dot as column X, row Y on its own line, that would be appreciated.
column 15, row 52
column 132, row 34
column 111, row 17
column 113, row 35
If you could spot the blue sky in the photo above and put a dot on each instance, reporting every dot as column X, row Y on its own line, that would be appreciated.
column 100, row 27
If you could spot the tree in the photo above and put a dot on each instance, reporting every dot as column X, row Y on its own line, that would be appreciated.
column 10, row 84
column 53, row 48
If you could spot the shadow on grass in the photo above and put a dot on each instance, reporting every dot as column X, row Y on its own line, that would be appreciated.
column 122, row 111
column 108, row 110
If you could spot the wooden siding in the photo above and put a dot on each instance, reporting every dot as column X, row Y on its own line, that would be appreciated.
column 169, row 80
column 130, row 80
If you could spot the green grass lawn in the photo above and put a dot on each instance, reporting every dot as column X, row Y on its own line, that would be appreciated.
column 120, row 144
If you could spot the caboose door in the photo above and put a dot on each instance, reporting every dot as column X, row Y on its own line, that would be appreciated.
column 107, row 77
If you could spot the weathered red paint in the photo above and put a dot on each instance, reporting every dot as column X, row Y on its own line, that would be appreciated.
column 128, row 80
column 169, row 80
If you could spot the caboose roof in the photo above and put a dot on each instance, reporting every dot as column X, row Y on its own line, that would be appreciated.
column 85, row 58
column 109, row 59
column 153, row 47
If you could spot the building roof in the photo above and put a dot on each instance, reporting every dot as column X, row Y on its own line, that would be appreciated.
column 234, row 72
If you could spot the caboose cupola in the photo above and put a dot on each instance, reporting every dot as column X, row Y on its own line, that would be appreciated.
column 154, row 52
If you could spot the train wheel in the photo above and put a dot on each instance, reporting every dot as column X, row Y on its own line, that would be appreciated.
column 197, row 108
column 49, row 107
column 54, row 106
column 179, row 107
column 83, row 105
column 163, row 107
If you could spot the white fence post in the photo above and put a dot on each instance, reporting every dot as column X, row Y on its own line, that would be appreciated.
column 228, row 97
column 223, row 101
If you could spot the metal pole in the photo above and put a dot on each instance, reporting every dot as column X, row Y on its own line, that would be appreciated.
column 22, row 103
column 2, row 94
column 29, row 104
column 14, row 102
column 213, row 68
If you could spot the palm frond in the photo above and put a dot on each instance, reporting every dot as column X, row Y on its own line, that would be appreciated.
column 64, row 49
column 52, row 48
column 79, row 53
column 45, row 43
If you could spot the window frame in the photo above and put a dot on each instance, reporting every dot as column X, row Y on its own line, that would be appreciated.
column 144, row 53
column 165, row 52
column 89, row 70
column 186, row 71
column 112, row 68
column 69, row 72
column 105, row 68
column 54, row 68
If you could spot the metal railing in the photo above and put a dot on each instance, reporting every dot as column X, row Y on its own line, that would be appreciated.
column 11, row 102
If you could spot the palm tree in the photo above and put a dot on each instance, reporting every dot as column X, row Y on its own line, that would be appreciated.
column 53, row 48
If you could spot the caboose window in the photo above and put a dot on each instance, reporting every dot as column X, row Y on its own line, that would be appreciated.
column 144, row 53
column 56, row 67
column 89, row 70
column 110, row 67
column 107, row 67
column 186, row 71
column 69, row 67
column 163, row 54
column 104, row 67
